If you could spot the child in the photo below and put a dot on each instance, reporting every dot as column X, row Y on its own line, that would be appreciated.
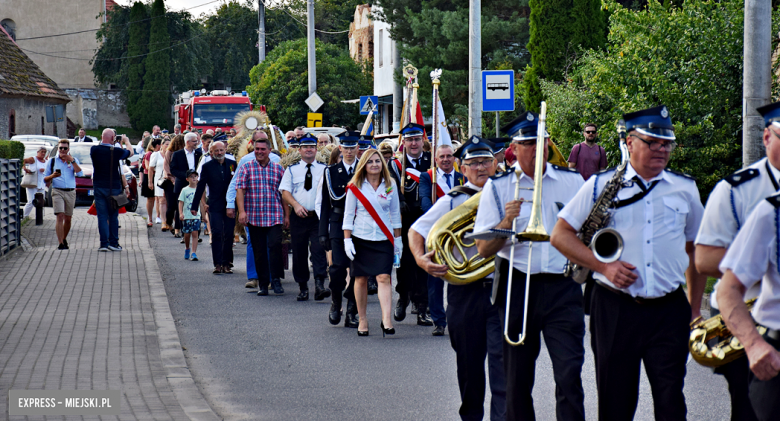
column 191, row 223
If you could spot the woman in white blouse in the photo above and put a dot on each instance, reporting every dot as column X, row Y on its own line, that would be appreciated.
column 156, row 173
column 35, row 163
column 372, row 243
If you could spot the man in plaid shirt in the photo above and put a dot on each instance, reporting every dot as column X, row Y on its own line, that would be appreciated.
column 260, row 209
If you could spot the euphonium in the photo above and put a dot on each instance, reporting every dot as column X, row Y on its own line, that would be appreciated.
column 727, row 349
column 446, row 236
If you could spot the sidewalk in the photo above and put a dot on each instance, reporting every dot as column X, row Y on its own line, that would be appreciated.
column 82, row 320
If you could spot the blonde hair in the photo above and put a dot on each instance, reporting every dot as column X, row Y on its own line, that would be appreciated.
column 360, row 171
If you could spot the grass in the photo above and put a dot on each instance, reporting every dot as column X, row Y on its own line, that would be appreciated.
column 134, row 135
column 710, row 283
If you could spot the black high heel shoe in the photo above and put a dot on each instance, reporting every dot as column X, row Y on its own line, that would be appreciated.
column 362, row 333
column 390, row 331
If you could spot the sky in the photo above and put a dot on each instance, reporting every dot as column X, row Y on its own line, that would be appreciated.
column 194, row 6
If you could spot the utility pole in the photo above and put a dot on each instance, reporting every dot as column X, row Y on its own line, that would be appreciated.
column 398, row 91
column 260, row 31
column 475, row 68
column 312, row 57
column 757, row 77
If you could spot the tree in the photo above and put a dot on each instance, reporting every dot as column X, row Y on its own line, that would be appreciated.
column 138, row 45
column 156, row 97
column 281, row 84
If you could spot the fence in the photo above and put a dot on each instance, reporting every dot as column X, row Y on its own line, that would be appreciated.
column 10, row 211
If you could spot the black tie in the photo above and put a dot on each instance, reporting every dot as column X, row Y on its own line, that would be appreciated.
column 307, row 183
column 351, row 172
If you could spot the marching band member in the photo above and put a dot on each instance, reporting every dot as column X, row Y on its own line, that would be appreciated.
column 555, row 301
column 639, row 312
column 446, row 179
column 331, row 235
column 728, row 207
column 412, row 281
column 475, row 327
column 371, row 210
column 500, row 143
column 752, row 258
column 299, row 191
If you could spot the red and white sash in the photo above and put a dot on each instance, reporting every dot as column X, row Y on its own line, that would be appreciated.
column 371, row 205
column 414, row 174
column 441, row 184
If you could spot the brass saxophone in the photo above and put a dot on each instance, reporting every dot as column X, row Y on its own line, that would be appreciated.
column 606, row 243
column 726, row 349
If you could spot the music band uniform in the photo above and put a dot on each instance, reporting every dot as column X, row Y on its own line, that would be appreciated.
column 648, row 322
column 753, row 257
column 474, row 324
column 301, row 180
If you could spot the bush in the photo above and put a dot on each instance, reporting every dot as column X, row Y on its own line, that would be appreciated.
column 11, row 149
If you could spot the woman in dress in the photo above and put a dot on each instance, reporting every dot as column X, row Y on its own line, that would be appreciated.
column 171, row 216
column 33, row 164
column 372, row 243
column 147, row 190
column 156, row 174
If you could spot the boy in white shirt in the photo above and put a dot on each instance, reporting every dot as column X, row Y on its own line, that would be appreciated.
column 190, row 222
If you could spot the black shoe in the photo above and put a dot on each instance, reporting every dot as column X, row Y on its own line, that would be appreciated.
column 62, row 246
column 351, row 319
column 415, row 310
column 303, row 295
column 438, row 331
column 372, row 286
column 277, row 285
column 400, row 310
column 390, row 331
column 320, row 292
column 423, row 319
column 361, row 333
column 65, row 242
column 334, row 316
column 263, row 290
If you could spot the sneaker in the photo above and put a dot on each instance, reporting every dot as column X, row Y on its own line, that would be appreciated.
column 115, row 248
column 187, row 254
column 251, row 284
column 277, row 286
column 194, row 257
column 157, row 221
column 263, row 290
column 103, row 248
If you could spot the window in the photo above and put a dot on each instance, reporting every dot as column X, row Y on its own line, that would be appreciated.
column 43, row 126
column 10, row 27
column 379, row 48
column 360, row 53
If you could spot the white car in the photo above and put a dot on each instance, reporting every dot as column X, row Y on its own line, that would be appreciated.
column 52, row 140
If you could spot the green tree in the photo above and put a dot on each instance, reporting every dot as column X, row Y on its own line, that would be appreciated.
column 155, row 101
column 138, row 46
column 688, row 58
column 281, row 84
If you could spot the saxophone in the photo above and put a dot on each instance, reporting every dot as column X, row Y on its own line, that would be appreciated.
column 606, row 243
column 712, row 344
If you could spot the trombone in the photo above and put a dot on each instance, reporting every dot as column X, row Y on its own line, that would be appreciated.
column 534, row 232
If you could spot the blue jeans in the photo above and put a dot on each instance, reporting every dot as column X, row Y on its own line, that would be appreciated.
column 436, row 301
column 251, row 272
column 108, row 218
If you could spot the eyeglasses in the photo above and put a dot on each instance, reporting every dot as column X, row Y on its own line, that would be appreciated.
column 63, row 149
column 657, row 146
column 480, row 164
column 590, row 131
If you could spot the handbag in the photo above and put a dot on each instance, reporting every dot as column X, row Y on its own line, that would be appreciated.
column 119, row 200
column 165, row 184
column 30, row 180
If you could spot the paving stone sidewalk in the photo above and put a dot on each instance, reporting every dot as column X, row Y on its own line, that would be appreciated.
column 82, row 320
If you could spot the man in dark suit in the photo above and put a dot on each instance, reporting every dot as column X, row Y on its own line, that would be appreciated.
column 216, row 175
column 412, row 281
column 181, row 161
column 446, row 179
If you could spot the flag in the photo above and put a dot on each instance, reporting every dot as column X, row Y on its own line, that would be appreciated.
column 370, row 129
column 444, row 134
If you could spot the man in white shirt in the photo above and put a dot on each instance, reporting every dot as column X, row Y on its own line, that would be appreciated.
column 299, row 191
column 657, row 214
column 554, row 300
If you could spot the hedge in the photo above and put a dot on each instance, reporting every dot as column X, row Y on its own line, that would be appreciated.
column 11, row 149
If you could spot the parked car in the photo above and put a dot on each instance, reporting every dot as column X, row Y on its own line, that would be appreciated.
column 37, row 138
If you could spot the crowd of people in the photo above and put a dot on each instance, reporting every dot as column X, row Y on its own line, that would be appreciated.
column 355, row 211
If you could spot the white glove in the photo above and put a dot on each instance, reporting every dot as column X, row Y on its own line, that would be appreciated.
column 399, row 246
column 349, row 248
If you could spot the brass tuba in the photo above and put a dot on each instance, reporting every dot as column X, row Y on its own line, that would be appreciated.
column 727, row 349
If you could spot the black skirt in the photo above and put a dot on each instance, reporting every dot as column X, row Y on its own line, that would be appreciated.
column 372, row 257
column 145, row 190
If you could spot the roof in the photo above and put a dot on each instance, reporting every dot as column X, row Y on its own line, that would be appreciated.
column 20, row 76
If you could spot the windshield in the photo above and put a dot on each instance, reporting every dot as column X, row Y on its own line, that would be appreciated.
column 217, row 114
column 81, row 153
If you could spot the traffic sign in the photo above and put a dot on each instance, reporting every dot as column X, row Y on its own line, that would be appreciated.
column 314, row 102
column 367, row 103
column 498, row 90
column 314, row 120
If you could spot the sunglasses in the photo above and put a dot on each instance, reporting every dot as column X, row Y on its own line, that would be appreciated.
column 64, row 149
column 590, row 131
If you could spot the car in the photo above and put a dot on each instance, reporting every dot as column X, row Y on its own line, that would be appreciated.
column 37, row 138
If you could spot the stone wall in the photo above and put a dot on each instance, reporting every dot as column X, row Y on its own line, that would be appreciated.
column 361, row 35
column 29, row 112
column 97, row 107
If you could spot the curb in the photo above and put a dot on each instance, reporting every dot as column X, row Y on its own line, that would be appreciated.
column 176, row 371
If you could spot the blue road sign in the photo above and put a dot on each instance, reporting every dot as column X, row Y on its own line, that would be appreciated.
column 367, row 103
column 498, row 90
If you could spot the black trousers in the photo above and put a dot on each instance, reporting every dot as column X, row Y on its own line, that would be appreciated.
column 338, row 270
column 259, row 238
column 475, row 333
column 172, row 212
column 625, row 334
column 304, row 236
column 555, row 310
column 765, row 394
column 275, row 252
column 737, row 375
column 412, row 281
column 221, row 236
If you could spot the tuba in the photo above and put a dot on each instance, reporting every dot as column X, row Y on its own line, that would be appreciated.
column 726, row 348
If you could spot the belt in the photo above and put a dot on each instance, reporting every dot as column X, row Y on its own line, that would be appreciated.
column 337, row 210
column 57, row 188
column 641, row 300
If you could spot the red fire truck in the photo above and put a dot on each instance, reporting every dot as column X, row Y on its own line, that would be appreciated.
column 197, row 110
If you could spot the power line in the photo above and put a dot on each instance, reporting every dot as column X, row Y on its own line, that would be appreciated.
column 113, row 59
column 296, row 19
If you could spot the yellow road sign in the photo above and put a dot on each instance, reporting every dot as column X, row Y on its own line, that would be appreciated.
column 314, row 120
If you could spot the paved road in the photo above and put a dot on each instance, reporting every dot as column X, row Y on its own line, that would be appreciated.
column 275, row 358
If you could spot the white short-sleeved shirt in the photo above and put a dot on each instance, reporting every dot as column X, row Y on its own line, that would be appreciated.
column 730, row 204
column 361, row 223
column 294, row 179
column 559, row 185
column 655, row 229
column 753, row 257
